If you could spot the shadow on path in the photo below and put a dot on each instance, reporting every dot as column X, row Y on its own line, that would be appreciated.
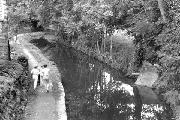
column 41, row 106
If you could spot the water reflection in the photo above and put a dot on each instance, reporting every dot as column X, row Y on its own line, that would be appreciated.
column 94, row 91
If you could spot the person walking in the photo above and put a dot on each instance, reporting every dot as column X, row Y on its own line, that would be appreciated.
column 35, row 73
column 45, row 77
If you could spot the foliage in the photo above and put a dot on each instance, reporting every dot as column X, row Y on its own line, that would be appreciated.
column 109, row 103
column 14, row 99
column 89, row 24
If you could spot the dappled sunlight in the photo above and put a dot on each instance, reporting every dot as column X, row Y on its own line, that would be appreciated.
column 107, row 77
column 149, row 112
column 121, row 36
column 91, row 66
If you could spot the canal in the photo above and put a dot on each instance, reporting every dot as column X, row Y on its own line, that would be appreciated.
column 94, row 90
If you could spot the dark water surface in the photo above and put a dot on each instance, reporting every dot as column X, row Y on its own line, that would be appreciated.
column 94, row 91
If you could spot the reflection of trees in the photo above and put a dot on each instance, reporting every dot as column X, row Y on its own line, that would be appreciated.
column 104, row 101
column 88, row 95
column 112, row 101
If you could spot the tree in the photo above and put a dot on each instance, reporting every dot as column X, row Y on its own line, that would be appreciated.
column 153, row 23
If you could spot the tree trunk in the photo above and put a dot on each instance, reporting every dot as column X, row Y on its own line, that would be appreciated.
column 111, row 48
column 98, row 49
column 103, row 46
column 138, row 104
column 162, row 7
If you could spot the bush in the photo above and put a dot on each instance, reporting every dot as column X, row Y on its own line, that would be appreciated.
column 14, row 95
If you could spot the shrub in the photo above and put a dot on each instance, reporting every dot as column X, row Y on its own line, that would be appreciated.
column 15, row 87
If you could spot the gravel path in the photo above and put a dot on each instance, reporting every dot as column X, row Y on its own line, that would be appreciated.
column 43, row 106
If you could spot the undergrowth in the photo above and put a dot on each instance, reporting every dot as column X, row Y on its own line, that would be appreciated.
column 14, row 92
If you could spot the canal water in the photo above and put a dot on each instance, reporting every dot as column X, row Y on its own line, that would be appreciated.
column 95, row 91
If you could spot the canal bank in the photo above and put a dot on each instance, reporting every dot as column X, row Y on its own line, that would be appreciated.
column 42, row 105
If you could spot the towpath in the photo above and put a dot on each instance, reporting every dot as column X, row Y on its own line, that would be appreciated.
column 42, row 105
